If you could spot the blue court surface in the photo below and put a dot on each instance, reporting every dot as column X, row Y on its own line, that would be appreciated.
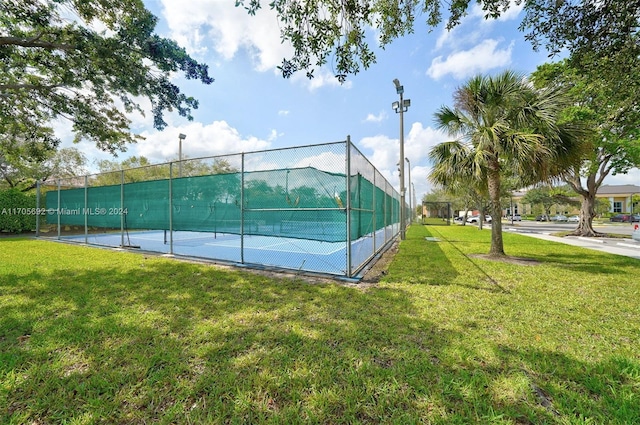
column 258, row 251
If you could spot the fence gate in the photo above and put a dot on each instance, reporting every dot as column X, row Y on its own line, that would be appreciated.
column 436, row 213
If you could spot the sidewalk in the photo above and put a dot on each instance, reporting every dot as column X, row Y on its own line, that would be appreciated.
column 626, row 247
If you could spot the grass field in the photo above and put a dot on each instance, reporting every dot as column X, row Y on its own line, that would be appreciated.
column 95, row 336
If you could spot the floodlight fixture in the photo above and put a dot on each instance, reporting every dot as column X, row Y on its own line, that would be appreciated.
column 399, row 88
column 181, row 137
column 401, row 107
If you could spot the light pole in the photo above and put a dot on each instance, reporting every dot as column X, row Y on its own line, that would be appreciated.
column 401, row 107
column 409, row 186
column 181, row 137
column 415, row 201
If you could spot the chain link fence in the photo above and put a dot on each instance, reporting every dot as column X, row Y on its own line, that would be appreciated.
column 318, row 208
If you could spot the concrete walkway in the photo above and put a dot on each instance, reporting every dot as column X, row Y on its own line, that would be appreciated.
column 626, row 247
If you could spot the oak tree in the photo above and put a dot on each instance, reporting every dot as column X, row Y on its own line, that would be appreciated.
column 90, row 62
column 321, row 31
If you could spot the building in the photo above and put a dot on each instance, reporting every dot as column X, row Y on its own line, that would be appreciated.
column 620, row 197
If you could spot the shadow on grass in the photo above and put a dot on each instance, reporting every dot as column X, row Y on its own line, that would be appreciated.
column 160, row 341
column 588, row 261
column 419, row 252
column 424, row 261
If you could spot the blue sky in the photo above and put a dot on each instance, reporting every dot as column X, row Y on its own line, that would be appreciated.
column 251, row 107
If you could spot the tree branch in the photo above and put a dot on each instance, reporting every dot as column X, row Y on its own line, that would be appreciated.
column 33, row 42
column 573, row 180
column 7, row 87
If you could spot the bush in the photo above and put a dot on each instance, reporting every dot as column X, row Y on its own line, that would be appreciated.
column 17, row 211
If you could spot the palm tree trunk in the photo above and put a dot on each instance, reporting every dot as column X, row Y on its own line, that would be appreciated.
column 493, row 182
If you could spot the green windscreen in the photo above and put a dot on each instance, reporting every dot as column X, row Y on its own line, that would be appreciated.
column 303, row 203
column 299, row 203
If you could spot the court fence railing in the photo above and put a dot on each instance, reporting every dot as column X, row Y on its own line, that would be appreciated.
column 317, row 208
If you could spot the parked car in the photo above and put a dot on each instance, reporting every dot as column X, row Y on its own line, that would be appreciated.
column 542, row 217
column 474, row 219
column 625, row 218
column 459, row 219
column 515, row 217
column 574, row 219
column 559, row 217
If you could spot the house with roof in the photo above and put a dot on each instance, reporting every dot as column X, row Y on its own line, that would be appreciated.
column 620, row 198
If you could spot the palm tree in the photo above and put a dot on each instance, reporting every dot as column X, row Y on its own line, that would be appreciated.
column 502, row 124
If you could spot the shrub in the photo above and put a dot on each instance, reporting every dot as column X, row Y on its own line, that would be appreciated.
column 17, row 211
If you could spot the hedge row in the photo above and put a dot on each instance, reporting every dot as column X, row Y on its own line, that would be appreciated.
column 17, row 211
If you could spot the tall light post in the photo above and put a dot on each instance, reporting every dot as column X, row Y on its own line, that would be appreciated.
column 415, row 200
column 181, row 137
column 409, row 186
column 401, row 107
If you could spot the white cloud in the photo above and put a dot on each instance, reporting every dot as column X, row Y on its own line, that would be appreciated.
column 632, row 177
column 273, row 135
column 217, row 138
column 462, row 64
column 474, row 27
column 385, row 153
column 510, row 14
column 376, row 118
column 419, row 181
column 419, row 141
column 445, row 37
column 321, row 78
column 459, row 36
column 326, row 161
column 218, row 24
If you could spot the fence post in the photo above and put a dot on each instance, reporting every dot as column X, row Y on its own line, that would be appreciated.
column 171, row 208
column 348, row 203
column 86, row 204
column 58, row 212
column 121, row 208
column 38, row 208
column 242, row 209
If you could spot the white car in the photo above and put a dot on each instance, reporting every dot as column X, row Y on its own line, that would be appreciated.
column 474, row 219
column 559, row 217
column 573, row 219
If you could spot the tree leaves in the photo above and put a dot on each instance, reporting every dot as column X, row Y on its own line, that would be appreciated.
column 335, row 32
column 54, row 66
column 503, row 127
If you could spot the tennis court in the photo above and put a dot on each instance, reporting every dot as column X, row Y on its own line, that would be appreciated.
column 318, row 208
column 254, row 251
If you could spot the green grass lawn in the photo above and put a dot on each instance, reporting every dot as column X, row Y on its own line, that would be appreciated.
column 96, row 336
